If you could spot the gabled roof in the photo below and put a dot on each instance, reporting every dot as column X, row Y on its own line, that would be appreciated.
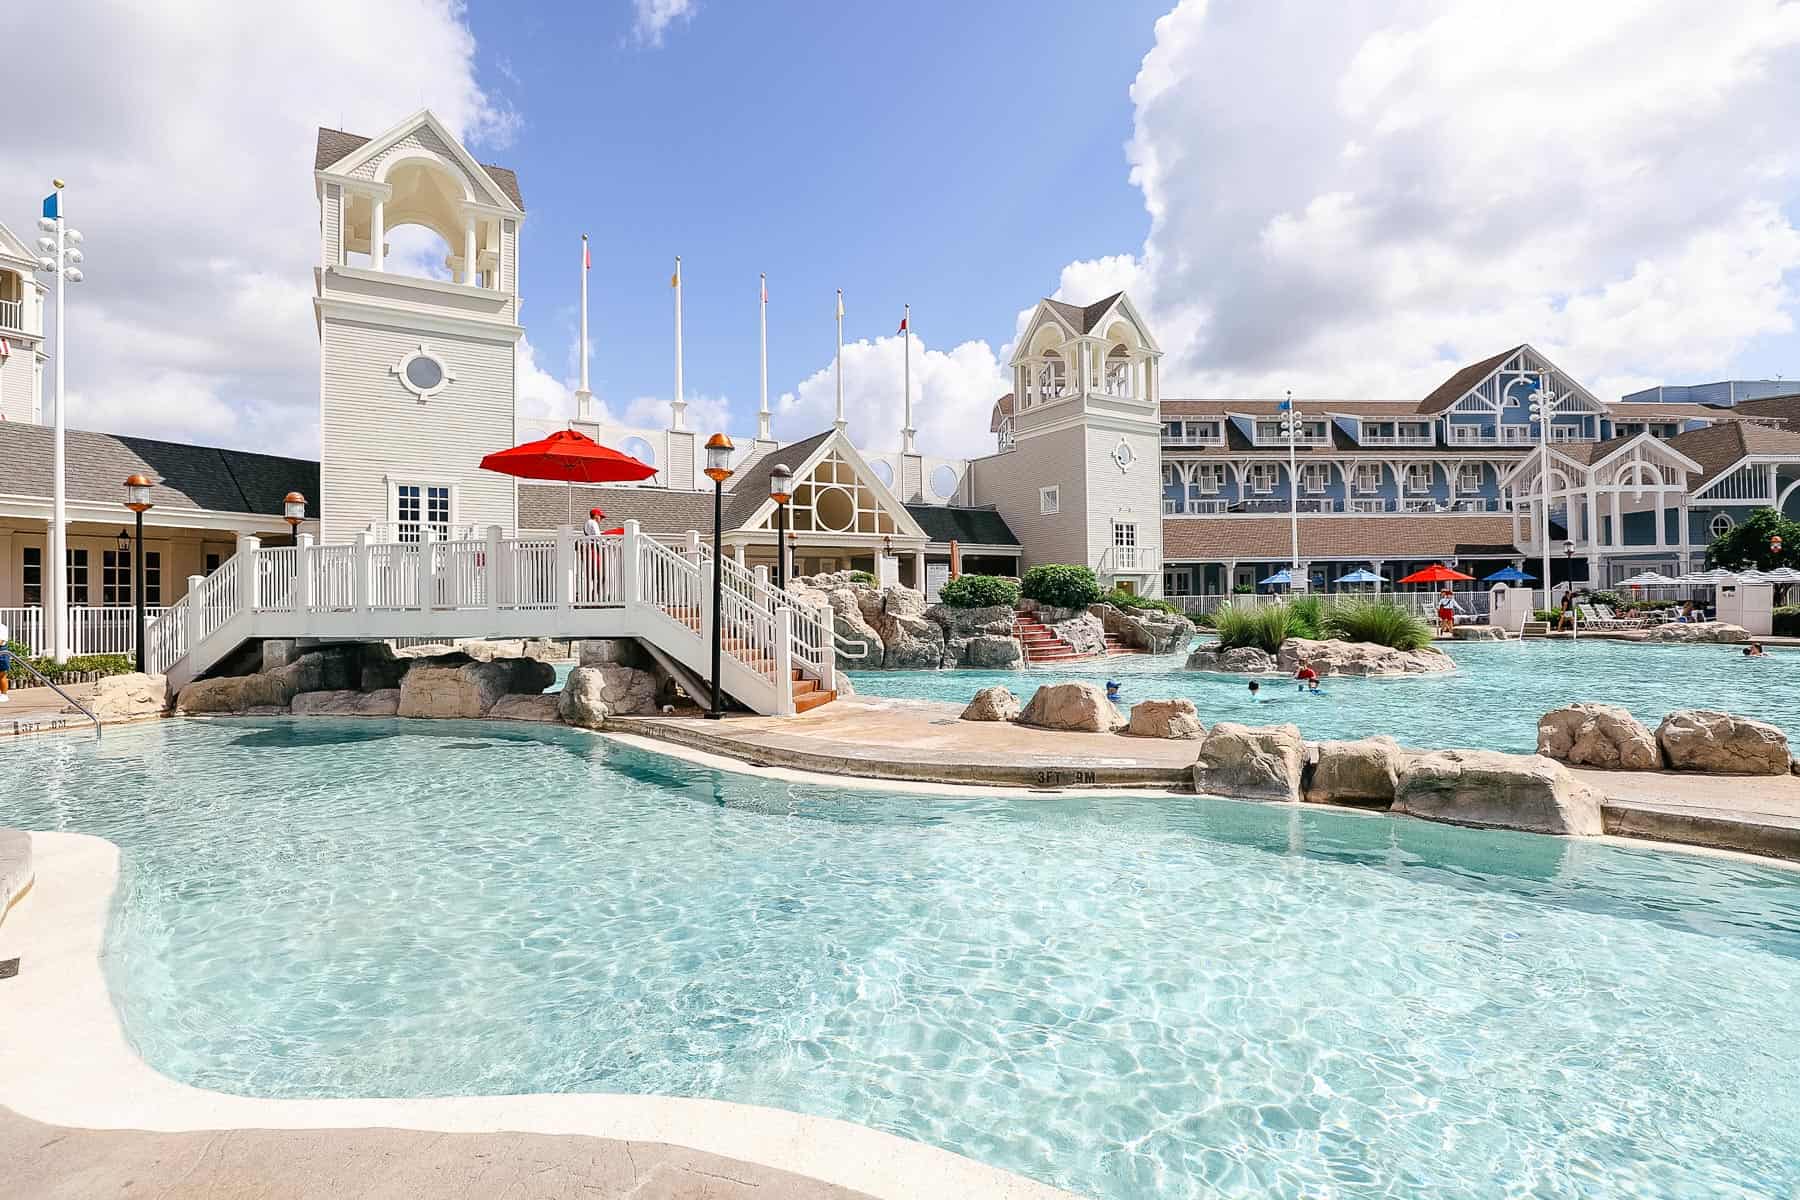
column 335, row 145
column 1719, row 448
column 186, row 476
column 1771, row 408
column 1452, row 389
column 1083, row 320
column 1003, row 408
column 13, row 246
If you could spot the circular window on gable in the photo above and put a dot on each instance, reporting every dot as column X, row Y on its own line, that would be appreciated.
column 1721, row 525
column 883, row 471
column 943, row 483
column 422, row 372
column 639, row 449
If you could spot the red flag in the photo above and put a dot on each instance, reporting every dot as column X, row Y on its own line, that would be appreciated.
column 587, row 254
column 902, row 328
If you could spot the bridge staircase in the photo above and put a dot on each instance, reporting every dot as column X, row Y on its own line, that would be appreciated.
column 779, row 657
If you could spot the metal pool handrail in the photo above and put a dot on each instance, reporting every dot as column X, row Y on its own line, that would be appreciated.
column 45, row 680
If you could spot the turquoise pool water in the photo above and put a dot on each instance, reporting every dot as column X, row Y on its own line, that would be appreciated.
column 1127, row 997
column 1492, row 702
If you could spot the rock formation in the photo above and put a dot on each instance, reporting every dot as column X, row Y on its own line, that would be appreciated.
column 1253, row 763
column 1597, row 735
column 1080, row 707
column 1361, row 773
column 1331, row 657
column 593, row 694
column 992, row 704
column 1716, row 742
column 1165, row 719
column 1491, row 790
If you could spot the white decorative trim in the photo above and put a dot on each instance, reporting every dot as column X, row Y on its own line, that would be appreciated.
column 446, row 376
column 1123, row 456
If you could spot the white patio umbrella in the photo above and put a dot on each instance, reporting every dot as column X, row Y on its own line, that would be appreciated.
column 1653, row 579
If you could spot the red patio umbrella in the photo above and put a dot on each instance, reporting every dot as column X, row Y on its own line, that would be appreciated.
column 568, row 457
column 1436, row 573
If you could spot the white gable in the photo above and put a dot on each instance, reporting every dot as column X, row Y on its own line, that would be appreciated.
column 423, row 133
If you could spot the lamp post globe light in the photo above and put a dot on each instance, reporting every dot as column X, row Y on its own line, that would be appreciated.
column 718, row 469
column 293, row 510
column 61, row 256
column 781, row 490
column 137, row 499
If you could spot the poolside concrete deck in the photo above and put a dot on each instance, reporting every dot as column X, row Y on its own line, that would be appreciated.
column 1755, row 814
column 922, row 741
column 52, row 1162
column 40, row 710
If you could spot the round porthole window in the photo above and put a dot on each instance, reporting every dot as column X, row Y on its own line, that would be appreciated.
column 883, row 471
column 422, row 372
column 639, row 449
column 943, row 483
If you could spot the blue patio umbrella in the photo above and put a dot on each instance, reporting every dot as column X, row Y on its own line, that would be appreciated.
column 1362, row 575
column 1509, row 575
column 1278, row 577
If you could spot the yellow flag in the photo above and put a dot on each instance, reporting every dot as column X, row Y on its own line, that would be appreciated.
column 675, row 279
column 840, row 311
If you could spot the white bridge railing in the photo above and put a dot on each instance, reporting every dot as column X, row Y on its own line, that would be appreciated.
column 620, row 585
column 93, row 629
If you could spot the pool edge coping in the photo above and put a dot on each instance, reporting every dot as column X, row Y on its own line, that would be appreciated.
column 65, row 1060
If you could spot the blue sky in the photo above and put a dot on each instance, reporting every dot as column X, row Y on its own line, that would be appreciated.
column 1346, row 200
column 900, row 159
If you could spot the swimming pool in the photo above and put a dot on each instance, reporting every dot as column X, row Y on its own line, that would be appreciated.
column 1492, row 702
column 1128, row 996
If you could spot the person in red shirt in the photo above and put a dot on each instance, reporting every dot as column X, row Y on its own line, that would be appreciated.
column 1307, row 677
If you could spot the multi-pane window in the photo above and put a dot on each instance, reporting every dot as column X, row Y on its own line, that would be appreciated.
column 1314, row 477
column 78, row 576
column 422, row 506
column 1125, row 534
column 115, row 577
column 33, row 576
column 1418, row 477
column 1468, row 477
column 1368, row 478
column 1049, row 501
column 1209, row 478
column 1261, row 477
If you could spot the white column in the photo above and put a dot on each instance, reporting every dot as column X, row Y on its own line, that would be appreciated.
column 784, row 661
column 565, row 567
column 377, row 234
column 1662, row 518
column 362, row 585
column 247, row 547
column 919, row 570
column 469, row 271
column 628, row 565
column 490, row 570
column 304, row 598
column 196, row 614
column 427, row 565
column 737, row 552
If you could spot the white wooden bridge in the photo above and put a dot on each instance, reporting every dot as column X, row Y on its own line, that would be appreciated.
column 779, row 656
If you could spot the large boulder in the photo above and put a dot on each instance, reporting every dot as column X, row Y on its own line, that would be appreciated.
column 1081, row 707
column 593, row 694
column 1330, row 657
column 977, row 637
column 1240, row 660
column 543, row 707
column 1699, row 631
column 992, row 704
column 984, row 651
column 1478, row 633
column 471, row 689
column 381, row 669
column 995, row 619
column 611, row 652
column 1722, row 744
column 347, row 703
column 128, row 697
column 1364, row 773
column 1147, row 629
column 1176, row 718
column 237, row 693
column 1597, row 735
column 1084, row 632
column 1491, row 790
column 910, row 641
column 1251, row 762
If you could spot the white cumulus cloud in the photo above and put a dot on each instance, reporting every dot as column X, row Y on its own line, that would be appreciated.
column 1356, row 199
column 187, row 143
column 653, row 18
column 953, row 396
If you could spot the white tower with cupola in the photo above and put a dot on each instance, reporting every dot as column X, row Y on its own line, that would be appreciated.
column 418, row 314
column 21, row 331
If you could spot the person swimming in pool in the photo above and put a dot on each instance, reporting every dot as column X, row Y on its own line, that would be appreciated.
column 1255, row 692
column 1112, row 690
column 1306, row 679
column 1753, row 650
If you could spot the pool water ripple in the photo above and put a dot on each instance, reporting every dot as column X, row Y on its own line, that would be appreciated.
column 1492, row 702
column 1127, row 997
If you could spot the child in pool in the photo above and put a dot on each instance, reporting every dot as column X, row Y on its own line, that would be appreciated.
column 1112, row 690
column 1255, row 688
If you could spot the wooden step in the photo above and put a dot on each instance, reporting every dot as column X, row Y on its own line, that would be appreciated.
column 812, row 700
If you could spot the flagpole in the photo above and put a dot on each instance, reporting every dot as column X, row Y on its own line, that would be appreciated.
column 680, row 405
column 583, row 397
column 59, row 519
column 839, row 423
column 906, row 431
column 762, row 413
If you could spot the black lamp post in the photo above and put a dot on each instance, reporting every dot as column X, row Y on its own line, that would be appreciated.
column 718, row 469
column 137, row 499
column 781, row 490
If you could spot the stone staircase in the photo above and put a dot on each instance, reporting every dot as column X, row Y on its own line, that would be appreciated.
column 1040, row 643
column 807, row 694
column 1535, row 629
column 1115, row 646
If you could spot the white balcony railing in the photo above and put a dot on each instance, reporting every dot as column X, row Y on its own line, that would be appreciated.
column 12, row 315
column 1193, row 439
column 1397, row 439
column 1195, row 508
column 1130, row 560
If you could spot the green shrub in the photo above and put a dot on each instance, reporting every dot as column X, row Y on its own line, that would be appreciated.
column 1787, row 621
column 1545, row 614
column 1243, row 589
column 1061, row 585
column 1307, row 616
column 1202, row 620
column 862, row 577
column 1264, row 626
column 1380, row 621
column 1120, row 598
column 1610, row 599
column 980, row 591
column 81, row 664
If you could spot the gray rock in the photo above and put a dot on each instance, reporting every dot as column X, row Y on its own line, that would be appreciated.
column 593, row 694
column 1722, row 744
column 347, row 703
column 612, row 652
column 1176, row 718
column 1083, row 631
column 987, row 651
column 278, row 653
column 1329, row 657
column 1253, row 763
column 1080, row 707
column 1243, row 660
column 1491, row 790
column 237, row 693
column 1145, row 628
column 1597, row 735
column 1477, row 633
column 1699, row 631
column 471, row 689
column 994, row 620
column 992, row 704
column 1364, row 773
column 543, row 707
column 127, row 697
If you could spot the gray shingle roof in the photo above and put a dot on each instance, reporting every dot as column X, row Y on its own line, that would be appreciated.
column 1452, row 389
column 975, row 526
column 660, row 511
column 1083, row 319
column 192, row 477
column 334, row 145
